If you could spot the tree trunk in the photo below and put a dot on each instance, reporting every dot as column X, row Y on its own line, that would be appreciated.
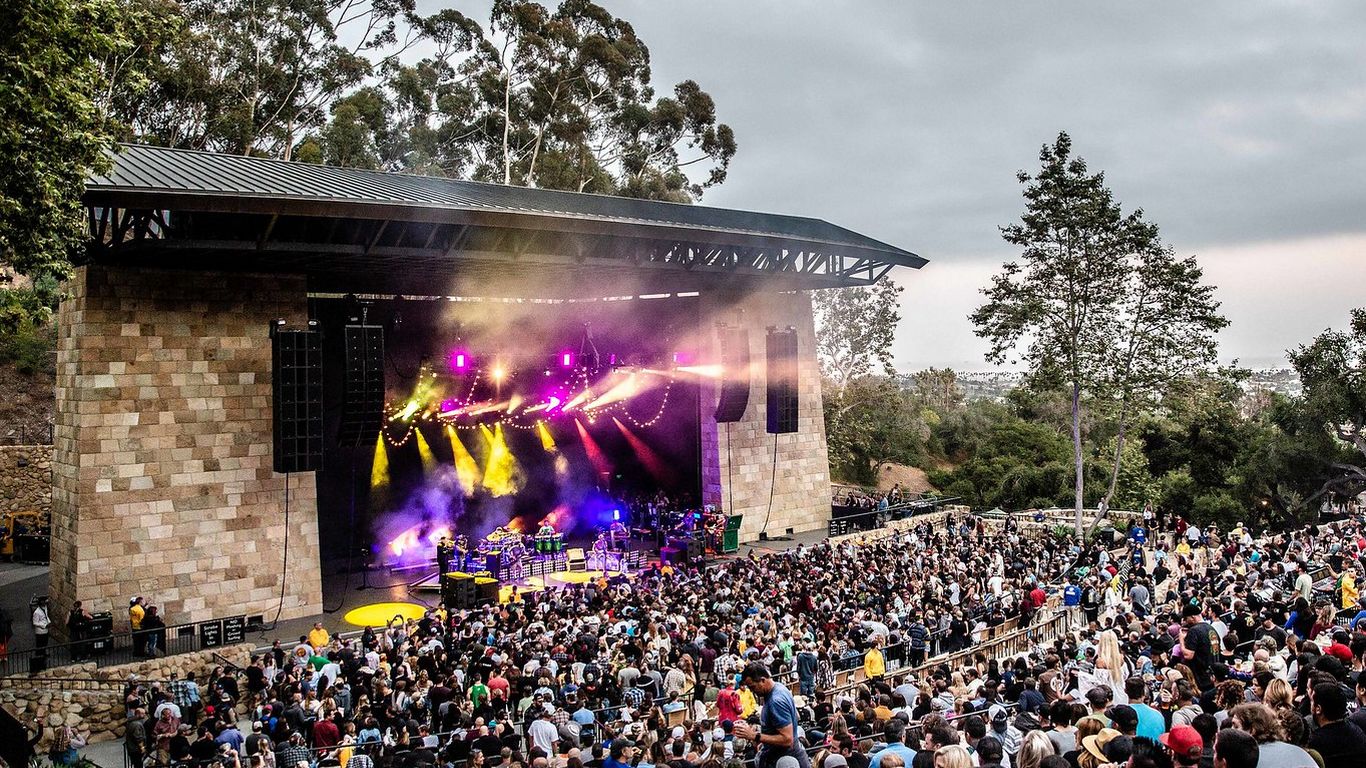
column 507, row 128
column 1076, row 453
column 1104, row 505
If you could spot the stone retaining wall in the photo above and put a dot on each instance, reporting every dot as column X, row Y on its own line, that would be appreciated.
column 90, row 699
column 26, row 478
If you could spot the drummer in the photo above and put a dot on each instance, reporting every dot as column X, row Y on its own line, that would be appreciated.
column 546, row 530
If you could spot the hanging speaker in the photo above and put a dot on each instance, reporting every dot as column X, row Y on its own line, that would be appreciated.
column 363, row 388
column 734, row 397
column 781, row 360
column 297, row 403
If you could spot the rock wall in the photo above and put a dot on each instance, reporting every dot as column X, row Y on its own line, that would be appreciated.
column 26, row 478
column 162, row 479
column 90, row 699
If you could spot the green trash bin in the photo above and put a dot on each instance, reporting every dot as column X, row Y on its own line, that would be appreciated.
column 730, row 539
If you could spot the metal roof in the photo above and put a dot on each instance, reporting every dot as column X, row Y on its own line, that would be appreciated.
column 178, row 185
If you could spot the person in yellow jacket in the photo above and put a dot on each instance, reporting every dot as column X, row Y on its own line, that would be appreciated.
column 135, row 613
column 1349, row 589
column 748, row 704
column 874, row 665
column 318, row 637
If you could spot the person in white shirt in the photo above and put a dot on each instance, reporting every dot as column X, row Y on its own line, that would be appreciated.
column 543, row 733
column 41, row 621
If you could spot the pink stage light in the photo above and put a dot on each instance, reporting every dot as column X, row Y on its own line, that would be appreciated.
column 460, row 362
column 566, row 359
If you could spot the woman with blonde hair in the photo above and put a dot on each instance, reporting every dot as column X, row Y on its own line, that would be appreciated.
column 1110, row 665
column 952, row 756
column 1033, row 749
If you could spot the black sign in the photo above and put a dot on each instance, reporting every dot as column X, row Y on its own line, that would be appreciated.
column 235, row 630
column 211, row 634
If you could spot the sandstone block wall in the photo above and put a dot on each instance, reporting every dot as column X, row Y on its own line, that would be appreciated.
column 25, row 478
column 741, row 472
column 162, row 479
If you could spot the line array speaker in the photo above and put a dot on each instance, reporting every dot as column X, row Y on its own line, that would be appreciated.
column 734, row 397
column 363, row 389
column 781, row 349
column 297, row 389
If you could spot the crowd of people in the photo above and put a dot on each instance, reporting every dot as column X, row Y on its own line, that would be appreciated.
column 1186, row 650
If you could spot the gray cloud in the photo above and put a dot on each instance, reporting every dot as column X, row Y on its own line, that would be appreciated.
column 1230, row 123
column 1226, row 121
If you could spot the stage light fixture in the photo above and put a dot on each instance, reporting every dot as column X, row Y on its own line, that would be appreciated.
column 566, row 359
column 499, row 372
column 460, row 361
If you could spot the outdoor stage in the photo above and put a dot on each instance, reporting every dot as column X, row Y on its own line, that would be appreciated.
column 196, row 465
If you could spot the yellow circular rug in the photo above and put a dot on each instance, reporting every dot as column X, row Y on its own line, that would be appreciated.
column 379, row 614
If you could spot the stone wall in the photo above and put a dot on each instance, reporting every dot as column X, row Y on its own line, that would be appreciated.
column 162, row 479
column 25, row 478
column 742, row 472
column 90, row 700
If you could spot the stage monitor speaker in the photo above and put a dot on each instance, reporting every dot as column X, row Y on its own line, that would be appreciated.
column 696, row 550
column 458, row 590
column 486, row 590
column 734, row 398
column 297, row 387
column 363, row 389
column 781, row 359
column 673, row 555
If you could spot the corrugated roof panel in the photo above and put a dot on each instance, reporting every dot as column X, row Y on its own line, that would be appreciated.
column 151, row 169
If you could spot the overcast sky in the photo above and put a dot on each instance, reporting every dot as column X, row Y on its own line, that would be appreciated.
column 1240, row 127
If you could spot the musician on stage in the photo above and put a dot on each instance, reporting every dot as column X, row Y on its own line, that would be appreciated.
column 618, row 536
column 546, row 529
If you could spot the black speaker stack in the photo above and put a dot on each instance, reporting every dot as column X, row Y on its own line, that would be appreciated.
column 781, row 375
column 458, row 590
column 363, row 389
column 462, row 591
column 734, row 397
column 297, row 389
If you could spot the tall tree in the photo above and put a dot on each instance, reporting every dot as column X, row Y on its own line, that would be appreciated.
column 1168, row 321
column 855, row 328
column 558, row 99
column 255, row 76
column 52, row 133
column 1059, row 307
column 937, row 389
column 1332, row 370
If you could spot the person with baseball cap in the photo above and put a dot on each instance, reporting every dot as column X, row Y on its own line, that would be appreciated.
column 1185, row 744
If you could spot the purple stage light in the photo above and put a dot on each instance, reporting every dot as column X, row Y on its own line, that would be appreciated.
column 460, row 361
column 566, row 359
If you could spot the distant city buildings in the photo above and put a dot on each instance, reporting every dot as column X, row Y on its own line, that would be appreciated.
column 994, row 385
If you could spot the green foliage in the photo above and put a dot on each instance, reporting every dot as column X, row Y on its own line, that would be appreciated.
column 1002, row 460
column 51, row 131
column 871, row 422
column 555, row 98
column 1135, row 485
column 28, row 346
column 855, row 328
column 1332, row 369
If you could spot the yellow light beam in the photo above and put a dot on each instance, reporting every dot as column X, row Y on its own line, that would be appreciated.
column 466, row 468
column 500, row 474
column 547, row 442
column 424, row 452
column 379, row 468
